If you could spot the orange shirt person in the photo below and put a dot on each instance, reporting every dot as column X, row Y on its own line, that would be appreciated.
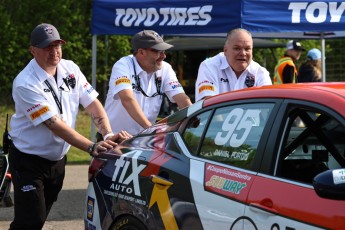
column 285, row 70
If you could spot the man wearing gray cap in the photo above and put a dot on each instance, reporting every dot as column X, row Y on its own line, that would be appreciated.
column 47, row 94
column 138, row 82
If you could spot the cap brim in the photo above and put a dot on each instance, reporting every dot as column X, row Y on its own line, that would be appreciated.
column 162, row 46
column 300, row 48
column 47, row 42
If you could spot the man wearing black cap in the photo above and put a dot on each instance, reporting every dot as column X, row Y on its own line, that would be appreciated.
column 47, row 94
column 138, row 82
column 285, row 70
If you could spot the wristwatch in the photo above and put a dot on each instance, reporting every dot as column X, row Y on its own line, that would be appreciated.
column 91, row 148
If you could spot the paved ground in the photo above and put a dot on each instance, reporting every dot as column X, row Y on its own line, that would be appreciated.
column 67, row 212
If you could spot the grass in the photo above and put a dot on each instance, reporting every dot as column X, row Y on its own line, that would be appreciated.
column 83, row 126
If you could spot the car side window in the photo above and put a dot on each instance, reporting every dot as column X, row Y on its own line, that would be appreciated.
column 231, row 135
column 314, row 142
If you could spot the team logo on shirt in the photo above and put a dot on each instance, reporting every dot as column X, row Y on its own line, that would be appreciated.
column 71, row 80
column 250, row 80
column 122, row 80
column 39, row 112
column 224, row 80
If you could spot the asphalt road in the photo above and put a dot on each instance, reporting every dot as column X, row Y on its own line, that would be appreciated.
column 67, row 212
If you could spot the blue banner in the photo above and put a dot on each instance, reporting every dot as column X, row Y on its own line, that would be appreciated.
column 174, row 17
column 210, row 17
column 293, row 16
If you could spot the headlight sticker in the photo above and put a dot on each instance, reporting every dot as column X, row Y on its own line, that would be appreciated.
column 90, row 208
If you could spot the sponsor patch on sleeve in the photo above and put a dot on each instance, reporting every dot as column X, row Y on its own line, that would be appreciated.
column 206, row 87
column 39, row 112
column 174, row 84
column 122, row 80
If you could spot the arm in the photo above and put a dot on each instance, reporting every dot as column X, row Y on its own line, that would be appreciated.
column 62, row 130
column 182, row 100
column 100, row 119
column 133, row 108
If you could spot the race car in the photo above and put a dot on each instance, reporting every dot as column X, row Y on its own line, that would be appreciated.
column 246, row 159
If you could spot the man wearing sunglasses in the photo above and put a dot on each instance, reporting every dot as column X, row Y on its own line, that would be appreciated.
column 138, row 82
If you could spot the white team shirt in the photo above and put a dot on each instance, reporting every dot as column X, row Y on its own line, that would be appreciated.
column 215, row 76
column 34, row 104
column 122, row 77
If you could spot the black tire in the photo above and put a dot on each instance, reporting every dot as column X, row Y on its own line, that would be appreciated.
column 128, row 223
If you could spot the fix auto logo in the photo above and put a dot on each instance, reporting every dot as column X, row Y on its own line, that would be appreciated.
column 126, row 172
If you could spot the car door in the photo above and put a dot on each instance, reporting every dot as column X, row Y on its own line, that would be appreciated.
column 225, row 147
column 307, row 139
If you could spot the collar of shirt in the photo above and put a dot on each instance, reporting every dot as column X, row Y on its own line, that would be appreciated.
column 39, row 72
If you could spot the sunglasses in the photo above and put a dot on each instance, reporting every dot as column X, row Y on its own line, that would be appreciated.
column 160, row 52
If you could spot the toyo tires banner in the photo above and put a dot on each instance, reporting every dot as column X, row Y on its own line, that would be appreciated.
column 215, row 16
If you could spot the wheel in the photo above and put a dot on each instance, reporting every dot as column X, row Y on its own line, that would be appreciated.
column 128, row 223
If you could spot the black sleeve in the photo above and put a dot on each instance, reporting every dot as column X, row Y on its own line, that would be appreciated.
column 288, row 74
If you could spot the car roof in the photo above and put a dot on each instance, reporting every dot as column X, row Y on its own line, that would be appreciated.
column 325, row 93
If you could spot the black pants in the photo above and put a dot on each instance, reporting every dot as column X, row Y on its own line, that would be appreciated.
column 37, row 183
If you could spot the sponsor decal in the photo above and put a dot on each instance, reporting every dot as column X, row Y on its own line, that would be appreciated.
column 316, row 12
column 123, row 80
column 89, row 88
column 174, row 84
column 205, row 82
column 124, row 197
column 39, row 112
column 224, row 181
column 126, row 174
column 206, row 87
column 33, row 107
column 90, row 208
column 28, row 188
column 339, row 176
column 135, row 17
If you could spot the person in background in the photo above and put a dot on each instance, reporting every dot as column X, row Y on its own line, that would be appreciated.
column 285, row 71
column 311, row 70
column 232, row 69
column 47, row 94
column 137, row 84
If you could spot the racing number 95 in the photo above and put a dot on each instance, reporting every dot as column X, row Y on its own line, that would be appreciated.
column 237, row 120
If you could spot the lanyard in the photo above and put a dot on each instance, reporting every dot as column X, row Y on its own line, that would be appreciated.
column 58, row 103
column 137, row 81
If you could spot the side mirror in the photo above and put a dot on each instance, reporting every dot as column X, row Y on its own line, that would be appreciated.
column 330, row 184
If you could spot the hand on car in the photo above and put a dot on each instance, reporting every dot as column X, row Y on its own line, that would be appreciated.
column 119, row 137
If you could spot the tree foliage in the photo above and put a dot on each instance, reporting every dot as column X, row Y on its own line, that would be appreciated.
column 73, row 21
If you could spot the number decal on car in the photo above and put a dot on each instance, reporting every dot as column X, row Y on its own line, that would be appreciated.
column 233, row 124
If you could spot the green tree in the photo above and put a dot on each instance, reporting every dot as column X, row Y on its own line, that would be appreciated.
column 72, row 19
